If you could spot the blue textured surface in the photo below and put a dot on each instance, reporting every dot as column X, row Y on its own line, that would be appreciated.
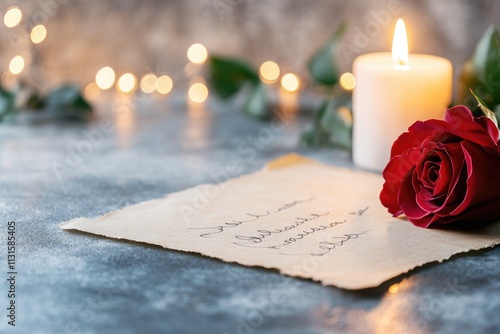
column 72, row 282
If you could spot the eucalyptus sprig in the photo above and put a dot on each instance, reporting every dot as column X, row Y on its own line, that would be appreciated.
column 7, row 106
column 332, row 125
column 228, row 76
column 481, row 74
column 63, row 102
column 322, row 66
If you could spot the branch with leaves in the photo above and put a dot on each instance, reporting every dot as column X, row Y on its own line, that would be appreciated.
column 64, row 102
column 481, row 74
column 333, row 120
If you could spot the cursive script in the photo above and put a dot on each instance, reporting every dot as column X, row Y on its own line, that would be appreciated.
column 248, row 240
column 253, row 217
column 325, row 247
column 294, row 203
column 221, row 228
column 359, row 212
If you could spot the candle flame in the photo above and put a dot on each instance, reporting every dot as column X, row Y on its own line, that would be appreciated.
column 400, row 44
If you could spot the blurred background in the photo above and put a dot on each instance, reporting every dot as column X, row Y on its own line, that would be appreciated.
column 153, row 35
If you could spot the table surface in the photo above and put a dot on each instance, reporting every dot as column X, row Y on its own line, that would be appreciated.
column 70, row 282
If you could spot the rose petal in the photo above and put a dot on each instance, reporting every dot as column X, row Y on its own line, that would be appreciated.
column 407, row 199
column 460, row 122
column 458, row 184
column 484, row 211
column 423, row 222
column 394, row 173
column 481, row 186
column 416, row 135
column 459, row 114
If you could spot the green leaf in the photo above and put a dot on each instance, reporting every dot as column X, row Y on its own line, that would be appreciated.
column 481, row 73
column 35, row 101
column 322, row 66
column 228, row 75
column 28, row 97
column 256, row 105
column 332, row 127
column 484, row 108
column 68, row 101
column 6, row 103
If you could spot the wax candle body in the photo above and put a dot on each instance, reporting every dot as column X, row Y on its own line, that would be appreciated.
column 388, row 98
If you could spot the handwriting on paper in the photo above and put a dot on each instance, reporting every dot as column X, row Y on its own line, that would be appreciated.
column 304, row 218
column 289, row 232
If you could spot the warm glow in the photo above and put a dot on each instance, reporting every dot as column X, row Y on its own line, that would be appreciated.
column 346, row 114
column 105, row 78
column 269, row 72
column 290, row 82
column 16, row 65
column 400, row 44
column 394, row 288
column 12, row 17
column 347, row 81
column 38, row 34
column 92, row 91
column 197, row 53
column 164, row 84
column 198, row 92
column 148, row 83
column 8, row 79
column 126, row 83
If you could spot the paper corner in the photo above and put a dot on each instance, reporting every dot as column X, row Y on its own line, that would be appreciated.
column 286, row 161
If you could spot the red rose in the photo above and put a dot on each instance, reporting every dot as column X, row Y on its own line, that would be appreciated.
column 445, row 171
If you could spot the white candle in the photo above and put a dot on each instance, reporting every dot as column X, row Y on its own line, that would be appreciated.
column 392, row 92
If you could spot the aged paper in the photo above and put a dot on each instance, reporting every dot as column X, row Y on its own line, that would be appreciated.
column 296, row 215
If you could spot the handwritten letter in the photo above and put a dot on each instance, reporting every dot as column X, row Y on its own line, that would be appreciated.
column 300, row 217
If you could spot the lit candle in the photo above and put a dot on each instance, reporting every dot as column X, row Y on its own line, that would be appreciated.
column 392, row 92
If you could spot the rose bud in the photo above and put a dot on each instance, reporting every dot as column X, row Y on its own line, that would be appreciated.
column 444, row 171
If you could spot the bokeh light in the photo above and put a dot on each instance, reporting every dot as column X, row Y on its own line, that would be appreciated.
column 148, row 83
column 126, row 83
column 12, row 17
column 269, row 72
column 197, row 53
column 91, row 91
column 164, row 84
column 290, row 82
column 105, row 78
column 347, row 81
column 8, row 79
column 16, row 65
column 198, row 92
column 38, row 34
column 394, row 289
column 345, row 113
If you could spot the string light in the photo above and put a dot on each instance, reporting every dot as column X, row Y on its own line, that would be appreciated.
column 12, row 17
column 347, row 81
column 164, row 84
column 197, row 53
column 269, row 72
column 8, row 79
column 91, row 91
column 16, row 65
column 126, row 83
column 38, row 34
column 198, row 92
column 105, row 78
column 290, row 82
column 148, row 83
column 394, row 288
